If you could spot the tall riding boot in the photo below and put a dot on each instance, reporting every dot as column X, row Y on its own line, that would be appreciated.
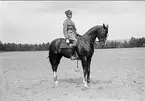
column 73, row 53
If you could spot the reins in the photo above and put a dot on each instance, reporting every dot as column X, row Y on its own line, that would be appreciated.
column 86, row 46
column 83, row 42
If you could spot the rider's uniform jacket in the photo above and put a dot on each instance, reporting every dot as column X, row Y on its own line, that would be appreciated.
column 69, row 29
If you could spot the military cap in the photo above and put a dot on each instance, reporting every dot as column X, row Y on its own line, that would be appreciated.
column 68, row 12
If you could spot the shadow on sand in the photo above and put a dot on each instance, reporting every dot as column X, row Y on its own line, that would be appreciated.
column 79, row 81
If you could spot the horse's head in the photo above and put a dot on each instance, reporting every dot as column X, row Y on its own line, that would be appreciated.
column 102, row 34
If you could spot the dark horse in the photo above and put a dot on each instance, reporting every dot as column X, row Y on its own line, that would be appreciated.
column 84, row 49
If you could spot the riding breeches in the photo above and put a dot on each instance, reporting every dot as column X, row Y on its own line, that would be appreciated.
column 71, row 37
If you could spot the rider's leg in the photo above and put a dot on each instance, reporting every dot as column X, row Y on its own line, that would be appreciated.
column 73, row 53
column 73, row 43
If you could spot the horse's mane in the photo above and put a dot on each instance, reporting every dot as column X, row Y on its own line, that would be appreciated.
column 91, row 30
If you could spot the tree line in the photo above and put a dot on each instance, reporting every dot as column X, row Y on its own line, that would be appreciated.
column 133, row 42
column 23, row 47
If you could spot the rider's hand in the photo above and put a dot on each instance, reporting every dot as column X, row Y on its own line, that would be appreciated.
column 67, row 40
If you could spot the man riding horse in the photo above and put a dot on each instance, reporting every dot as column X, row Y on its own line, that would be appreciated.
column 69, row 31
column 83, row 45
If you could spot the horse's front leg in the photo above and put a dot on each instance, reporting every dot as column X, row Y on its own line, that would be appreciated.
column 55, row 78
column 85, row 79
column 88, row 70
column 84, row 65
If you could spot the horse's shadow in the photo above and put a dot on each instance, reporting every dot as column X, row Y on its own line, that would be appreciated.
column 79, row 81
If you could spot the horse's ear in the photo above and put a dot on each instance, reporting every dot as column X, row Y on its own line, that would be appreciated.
column 107, row 26
column 104, row 26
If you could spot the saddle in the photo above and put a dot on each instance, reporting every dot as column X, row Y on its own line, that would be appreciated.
column 64, row 44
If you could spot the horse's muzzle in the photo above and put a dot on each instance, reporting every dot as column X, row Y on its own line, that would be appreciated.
column 102, row 43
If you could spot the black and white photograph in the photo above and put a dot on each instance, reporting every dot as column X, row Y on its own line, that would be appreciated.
column 72, row 50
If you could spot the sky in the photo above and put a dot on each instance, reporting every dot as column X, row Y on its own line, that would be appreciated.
column 42, row 21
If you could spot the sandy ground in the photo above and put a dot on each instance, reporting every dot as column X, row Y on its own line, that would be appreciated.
column 116, row 75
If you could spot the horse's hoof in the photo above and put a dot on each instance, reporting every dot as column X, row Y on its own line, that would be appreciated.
column 56, row 83
column 86, row 86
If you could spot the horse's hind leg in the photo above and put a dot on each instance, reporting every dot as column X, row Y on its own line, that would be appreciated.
column 55, row 60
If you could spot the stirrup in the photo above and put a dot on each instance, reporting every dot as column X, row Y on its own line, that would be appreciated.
column 73, row 58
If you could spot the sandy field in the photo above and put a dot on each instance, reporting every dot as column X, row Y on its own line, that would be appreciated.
column 116, row 75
